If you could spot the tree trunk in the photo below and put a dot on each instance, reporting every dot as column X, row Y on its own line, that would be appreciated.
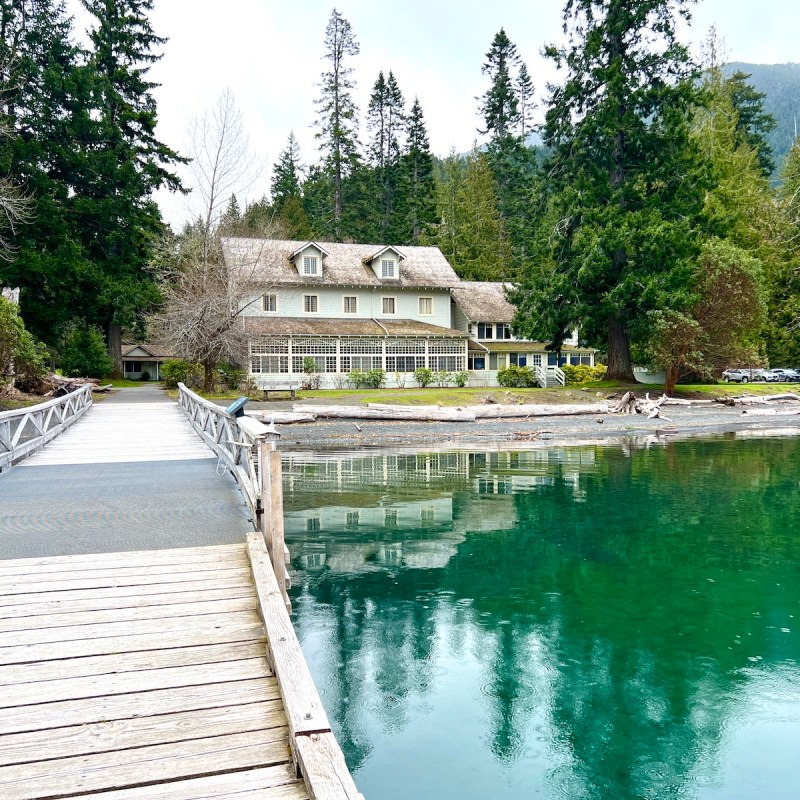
column 671, row 379
column 115, row 347
column 208, row 376
column 619, row 352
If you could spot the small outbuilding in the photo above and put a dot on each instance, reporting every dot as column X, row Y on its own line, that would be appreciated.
column 143, row 361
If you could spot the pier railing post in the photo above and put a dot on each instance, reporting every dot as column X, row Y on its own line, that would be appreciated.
column 270, row 474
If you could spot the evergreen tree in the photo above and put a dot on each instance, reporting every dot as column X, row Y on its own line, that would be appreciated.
column 286, row 174
column 500, row 105
column 231, row 222
column 525, row 92
column 43, row 120
column 417, row 203
column 754, row 124
column 628, row 186
column 385, row 120
column 336, row 122
column 472, row 234
column 116, row 216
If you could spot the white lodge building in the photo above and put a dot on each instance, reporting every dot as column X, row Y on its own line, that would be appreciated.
column 363, row 307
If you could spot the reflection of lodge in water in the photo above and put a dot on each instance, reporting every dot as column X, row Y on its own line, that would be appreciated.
column 363, row 513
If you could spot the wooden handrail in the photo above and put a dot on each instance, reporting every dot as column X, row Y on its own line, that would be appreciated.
column 47, row 419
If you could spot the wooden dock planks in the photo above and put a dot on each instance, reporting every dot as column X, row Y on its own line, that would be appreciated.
column 136, row 676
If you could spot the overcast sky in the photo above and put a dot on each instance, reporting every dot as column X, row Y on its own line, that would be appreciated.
column 268, row 52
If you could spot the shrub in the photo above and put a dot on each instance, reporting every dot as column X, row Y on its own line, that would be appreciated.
column 145, row 376
column 356, row 377
column 423, row 376
column 516, row 377
column 176, row 370
column 339, row 380
column 400, row 380
column 583, row 373
column 460, row 378
column 311, row 378
column 21, row 356
column 85, row 353
column 442, row 377
column 374, row 378
column 231, row 375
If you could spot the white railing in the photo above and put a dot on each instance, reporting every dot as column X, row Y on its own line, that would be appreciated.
column 559, row 375
column 247, row 448
column 541, row 375
column 25, row 430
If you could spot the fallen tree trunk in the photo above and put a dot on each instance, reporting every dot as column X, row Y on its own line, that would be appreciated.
column 772, row 412
column 281, row 417
column 538, row 410
column 430, row 414
column 753, row 400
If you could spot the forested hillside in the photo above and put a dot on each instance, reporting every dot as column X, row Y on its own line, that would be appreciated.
column 780, row 84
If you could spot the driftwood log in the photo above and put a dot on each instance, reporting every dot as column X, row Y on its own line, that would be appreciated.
column 281, row 417
column 630, row 404
column 753, row 400
column 412, row 413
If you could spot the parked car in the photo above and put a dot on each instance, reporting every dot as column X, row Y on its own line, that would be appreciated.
column 782, row 376
column 742, row 375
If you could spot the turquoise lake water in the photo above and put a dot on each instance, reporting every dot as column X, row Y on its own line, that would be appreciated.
column 585, row 622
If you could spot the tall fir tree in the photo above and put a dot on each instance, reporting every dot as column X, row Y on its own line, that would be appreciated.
column 526, row 93
column 416, row 207
column 385, row 121
column 754, row 124
column 500, row 105
column 286, row 174
column 115, row 210
column 44, row 118
column 337, row 118
column 628, row 185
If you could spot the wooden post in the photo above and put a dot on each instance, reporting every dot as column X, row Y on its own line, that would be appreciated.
column 272, row 515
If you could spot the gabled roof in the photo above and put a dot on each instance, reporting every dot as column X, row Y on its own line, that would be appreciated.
column 306, row 245
column 484, row 301
column 267, row 262
column 153, row 350
column 380, row 252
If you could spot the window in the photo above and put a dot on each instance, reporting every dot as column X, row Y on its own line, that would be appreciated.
column 270, row 302
column 387, row 268
column 476, row 363
column 133, row 366
column 352, row 519
column 425, row 306
column 310, row 265
column 388, row 305
column 269, row 364
column 485, row 330
column 586, row 358
column 312, row 524
column 310, row 303
column 518, row 359
column 350, row 305
column 390, row 518
column 503, row 330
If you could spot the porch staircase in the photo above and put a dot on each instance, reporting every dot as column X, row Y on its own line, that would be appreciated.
column 548, row 377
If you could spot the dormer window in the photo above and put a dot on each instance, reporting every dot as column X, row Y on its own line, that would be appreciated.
column 310, row 265
column 387, row 268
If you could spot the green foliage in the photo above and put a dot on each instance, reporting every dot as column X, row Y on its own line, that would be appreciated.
column 176, row 370
column 442, row 377
column 21, row 356
column 423, row 376
column 583, row 373
column 460, row 378
column 286, row 174
column 516, row 377
column 753, row 124
column 374, row 379
column 231, row 374
column 145, row 376
column 311, row 377
column 417, row 191
column 357, row 378
column 626, row 184
column 84, row 354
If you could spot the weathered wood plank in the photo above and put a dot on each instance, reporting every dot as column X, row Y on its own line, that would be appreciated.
column 137, row 704
column 117, row 770
column 97, row 579
column 253, row 783
column 55, row 606
column 324, row 769
column 144, row 680
column 104, row 630
column 304, row 709
column 128, row 644
column 125, row 663
column 190, row 558
column 140, row 591
column 157, row 612
column 100, row 737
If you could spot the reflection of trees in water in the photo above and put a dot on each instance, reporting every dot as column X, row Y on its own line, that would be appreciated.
column 649, row 595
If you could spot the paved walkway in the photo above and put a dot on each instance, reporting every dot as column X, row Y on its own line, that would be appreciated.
column 131, row 475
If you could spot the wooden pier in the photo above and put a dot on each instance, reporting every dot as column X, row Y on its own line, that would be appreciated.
column 170, row 673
